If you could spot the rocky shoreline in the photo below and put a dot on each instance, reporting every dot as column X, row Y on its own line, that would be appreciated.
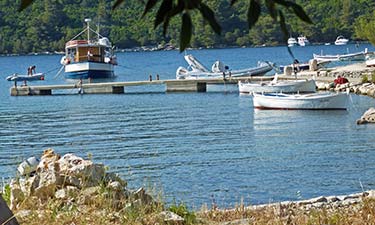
column 74, row 184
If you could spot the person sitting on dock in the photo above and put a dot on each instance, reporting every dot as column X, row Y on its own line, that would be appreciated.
column 340, row 80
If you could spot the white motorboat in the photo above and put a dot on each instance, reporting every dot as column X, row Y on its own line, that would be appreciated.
column 315, row 101
column 292, row 42
column 287, row 86
column 197, row 70
column 357, row 56
column 302, row 41
column 340, row 40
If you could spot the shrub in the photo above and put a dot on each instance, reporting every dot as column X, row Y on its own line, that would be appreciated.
column 364, row 79
column 181, row 210
column 373, row 77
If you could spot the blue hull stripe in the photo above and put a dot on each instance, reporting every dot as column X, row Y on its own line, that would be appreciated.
column 93, row 74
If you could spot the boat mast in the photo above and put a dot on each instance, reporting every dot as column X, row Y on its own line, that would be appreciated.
column 88, row 20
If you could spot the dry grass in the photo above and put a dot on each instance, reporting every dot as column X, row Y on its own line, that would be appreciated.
column 102, row 211
column 363, row 213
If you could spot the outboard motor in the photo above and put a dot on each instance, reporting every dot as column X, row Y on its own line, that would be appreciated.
column 218, row 67
column 181, row 73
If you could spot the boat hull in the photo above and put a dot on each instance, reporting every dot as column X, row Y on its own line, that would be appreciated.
column 34, row 77
column 89, row 70
column 358, row 56
column 301, row 86
column 370, row 62
column 325, row 101
column 183, row 73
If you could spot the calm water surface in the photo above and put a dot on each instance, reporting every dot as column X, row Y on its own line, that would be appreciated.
column 195, row 147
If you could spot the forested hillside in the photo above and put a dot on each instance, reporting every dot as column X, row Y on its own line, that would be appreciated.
column 47, row 24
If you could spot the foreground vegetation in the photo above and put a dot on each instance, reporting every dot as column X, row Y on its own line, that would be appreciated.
column 46, row 25
column 102, row 210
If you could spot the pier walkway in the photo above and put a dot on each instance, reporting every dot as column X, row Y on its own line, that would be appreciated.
column 199, row 85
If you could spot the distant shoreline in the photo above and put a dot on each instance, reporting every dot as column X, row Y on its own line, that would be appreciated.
column 171, row 48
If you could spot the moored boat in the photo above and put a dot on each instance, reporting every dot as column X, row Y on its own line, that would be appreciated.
column 18, row 77
column 89, row 58
column 370, row 60
column 303, row 41
column 315, row 101
column 356, row 56
column 197, row 70
column 304, row 66
column 340, row 40
column 292, row 42
column 287, row 86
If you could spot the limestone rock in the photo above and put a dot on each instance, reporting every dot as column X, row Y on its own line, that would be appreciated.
column 109, row 177
column 367, row 117
column 171, row 217
column 371, row 194
column 48, row 160
column 319, row 199
column 88, row 195
column 84, row 172
column 141, row 195
column 61, row 194
column 115, row 186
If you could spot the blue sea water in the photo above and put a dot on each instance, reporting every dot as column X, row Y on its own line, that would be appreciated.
column 197, row 148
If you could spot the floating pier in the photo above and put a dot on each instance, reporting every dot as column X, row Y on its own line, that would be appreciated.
column 198, row 85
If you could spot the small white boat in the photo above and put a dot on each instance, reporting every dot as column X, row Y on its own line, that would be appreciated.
column 287, row 86
column 18, row 77
column 370, row 60
column 357, row 56
column 315, row 101
column 340, row 40
column 302, row 41
column 197, row 70
column 304, row 66
column 292, row 42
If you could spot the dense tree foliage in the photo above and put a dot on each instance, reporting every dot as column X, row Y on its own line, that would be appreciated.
column 47, row 24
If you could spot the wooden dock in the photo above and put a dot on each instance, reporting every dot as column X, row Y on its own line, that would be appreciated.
column 199, row 85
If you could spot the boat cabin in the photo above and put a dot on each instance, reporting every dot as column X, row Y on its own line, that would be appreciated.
column 84, row 51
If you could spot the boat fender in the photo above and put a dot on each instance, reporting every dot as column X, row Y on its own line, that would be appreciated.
column 64, row 60
column 113, row 60
column 28, row 166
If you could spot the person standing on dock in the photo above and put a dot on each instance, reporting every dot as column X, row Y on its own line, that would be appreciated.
column 30, row 70
column 295, row 67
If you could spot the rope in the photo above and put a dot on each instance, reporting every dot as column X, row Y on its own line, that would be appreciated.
column 51, row 70
column 123, row 66
column 58, row 73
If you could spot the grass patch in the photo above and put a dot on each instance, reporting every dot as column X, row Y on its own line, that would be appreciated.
column 182, row 210
column 6, row 193
column 364, row 79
